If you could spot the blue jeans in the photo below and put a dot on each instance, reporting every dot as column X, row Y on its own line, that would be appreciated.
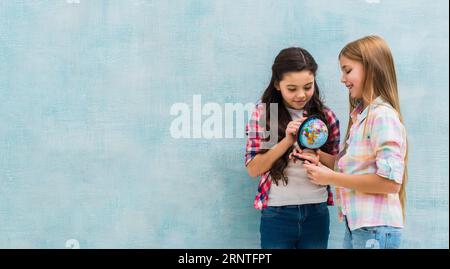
column 295, row 226
column 377, row 237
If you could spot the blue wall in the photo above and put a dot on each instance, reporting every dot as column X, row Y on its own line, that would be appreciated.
column 86, row 89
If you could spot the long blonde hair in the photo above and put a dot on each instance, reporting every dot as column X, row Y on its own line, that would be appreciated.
column 379, row 80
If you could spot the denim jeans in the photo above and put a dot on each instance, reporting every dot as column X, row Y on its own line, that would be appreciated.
column 295, row 226
column 377, row 237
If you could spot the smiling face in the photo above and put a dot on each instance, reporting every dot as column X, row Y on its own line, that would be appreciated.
column 296, row 88
column 352, row 76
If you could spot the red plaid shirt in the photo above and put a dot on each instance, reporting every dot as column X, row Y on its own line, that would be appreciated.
column 255, row 133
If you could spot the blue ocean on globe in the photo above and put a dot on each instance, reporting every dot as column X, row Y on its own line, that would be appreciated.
column 313, row 134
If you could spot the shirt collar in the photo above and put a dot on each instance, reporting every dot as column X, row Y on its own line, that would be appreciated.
column 296, row 111
column 358, row 115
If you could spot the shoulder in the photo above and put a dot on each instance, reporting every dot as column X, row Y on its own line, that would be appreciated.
column 384, row 116
column 259, row 108
column 257, row 112
column 384, row 111
column 259, row 105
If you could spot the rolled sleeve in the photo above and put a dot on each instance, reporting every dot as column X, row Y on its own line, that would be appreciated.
column 391, row 169
column 388, row 138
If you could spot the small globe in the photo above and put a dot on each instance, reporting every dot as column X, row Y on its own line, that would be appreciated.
column 313, row 133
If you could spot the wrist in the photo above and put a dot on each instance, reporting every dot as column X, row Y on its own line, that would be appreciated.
column 334, row 178
column 289, row 140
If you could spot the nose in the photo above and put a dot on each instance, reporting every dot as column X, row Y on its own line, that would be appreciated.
column 343, row 80
column 301, row 95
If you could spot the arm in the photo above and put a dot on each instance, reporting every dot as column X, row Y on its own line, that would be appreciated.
column 327, row 159
column 387, row 139
column 369, row 183
column 264, row 161
column 390, row 146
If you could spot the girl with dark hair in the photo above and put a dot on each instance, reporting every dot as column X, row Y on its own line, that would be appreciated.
column 294, row 210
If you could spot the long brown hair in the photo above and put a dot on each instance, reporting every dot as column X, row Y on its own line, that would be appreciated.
column 290, row 60
column 379, row 80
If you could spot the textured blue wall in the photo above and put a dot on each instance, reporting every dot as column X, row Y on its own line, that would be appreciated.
column 86, row 89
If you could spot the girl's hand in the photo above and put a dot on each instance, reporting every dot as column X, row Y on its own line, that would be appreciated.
column 292, row 128
column 306, row 154
column 310, row 155
column 318, row 174
column 295, row 152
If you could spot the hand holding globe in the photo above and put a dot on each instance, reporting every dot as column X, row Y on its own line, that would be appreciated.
column 312, row 134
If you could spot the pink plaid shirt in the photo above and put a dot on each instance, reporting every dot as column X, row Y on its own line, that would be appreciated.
column 255, row 134
column 381, row 150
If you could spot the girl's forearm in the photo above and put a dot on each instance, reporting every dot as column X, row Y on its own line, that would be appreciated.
column 327, row 159
column 262, row 163
column 369, row 183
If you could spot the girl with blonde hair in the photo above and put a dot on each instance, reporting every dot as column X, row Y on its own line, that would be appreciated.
column 369, row 173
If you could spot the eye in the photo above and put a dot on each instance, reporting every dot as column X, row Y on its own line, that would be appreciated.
column 307, row 88
column 348, row 71
column 291, row 89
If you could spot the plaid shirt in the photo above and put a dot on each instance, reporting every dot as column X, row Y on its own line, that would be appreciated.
column 381, row 150
column 255, row 134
